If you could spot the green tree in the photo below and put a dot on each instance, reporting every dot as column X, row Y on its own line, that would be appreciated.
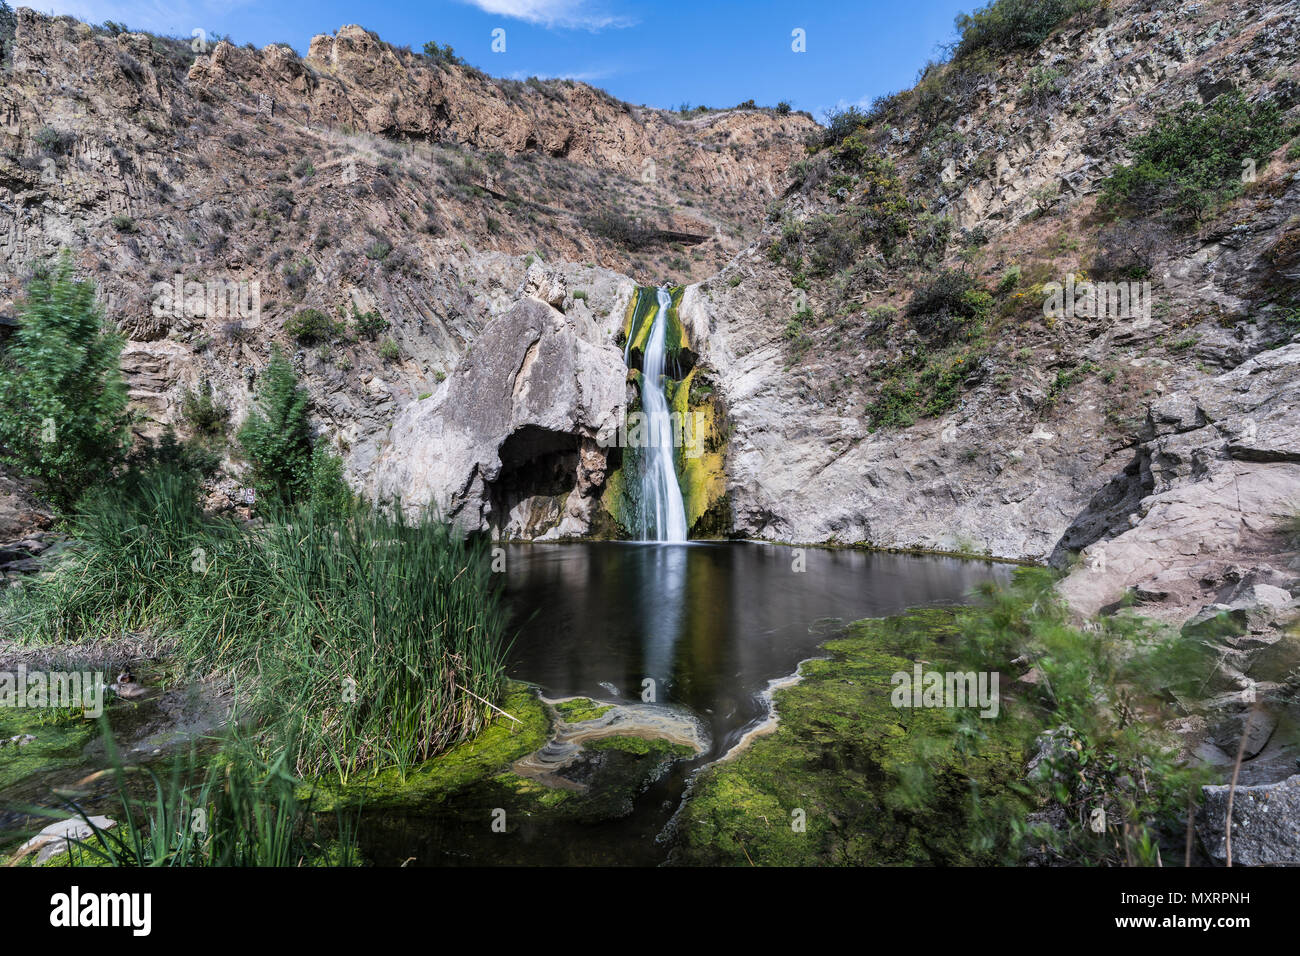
column 330, row 495
column 65, row 421
column 8, row 24
column 276, row 436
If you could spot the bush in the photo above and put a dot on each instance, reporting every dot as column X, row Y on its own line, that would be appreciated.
column 276, row 437
column 389, row 351
column 1003, row 26
column 311, row 326
column 1190, row 162
column 443, row 54
column 52, row 141
column 613, row 225
column 204, row 414
column 369, row 325
column 330, row 495
column 123, row 223
column 65, row 421
column 950, row 306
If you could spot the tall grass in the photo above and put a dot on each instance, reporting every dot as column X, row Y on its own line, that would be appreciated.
column 242, row 810
column 367, row 640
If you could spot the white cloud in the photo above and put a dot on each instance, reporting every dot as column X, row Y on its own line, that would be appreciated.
column 571, row 14
column 581, row 76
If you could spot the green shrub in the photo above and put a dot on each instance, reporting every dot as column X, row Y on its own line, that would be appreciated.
column 369, row 325
column 1003, row 26
column 123, row 223
column 1191, row 161
column 311, row 326
column 379, row 250
column 65, row 421
column 950, row 306
column 52, row 141
column 330, row 495
column 276, row 436
column 203, row 413
column 389, row 351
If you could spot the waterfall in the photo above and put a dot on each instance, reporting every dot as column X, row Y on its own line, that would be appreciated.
column 663, row 514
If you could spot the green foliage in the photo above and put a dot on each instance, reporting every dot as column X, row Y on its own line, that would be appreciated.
column 330, row 495
column 1004, row 26
column 8, row 24
column 276, row 437
column 369, row 325
column 1092, row 712
column 52, row 141
column 1191, row 162
column 936, row 785
column 65, row 420
column 950, row 306
column 923, row 385
column 123, row 223
column 379, row 250
column 443, row 54
column 205, row 415
column 253, row 813
column 389, row 351
column 362, row 640
column 311, row 326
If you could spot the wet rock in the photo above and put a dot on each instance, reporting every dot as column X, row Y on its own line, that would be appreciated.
column 58, row 836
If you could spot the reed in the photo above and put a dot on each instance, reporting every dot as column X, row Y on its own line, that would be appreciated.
column 365, row 639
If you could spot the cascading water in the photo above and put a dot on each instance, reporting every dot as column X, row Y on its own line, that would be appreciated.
column 662, row 511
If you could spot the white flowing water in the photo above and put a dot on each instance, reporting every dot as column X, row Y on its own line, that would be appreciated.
column 663, row 514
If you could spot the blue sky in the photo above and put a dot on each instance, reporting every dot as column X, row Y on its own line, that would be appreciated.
column 662, row 53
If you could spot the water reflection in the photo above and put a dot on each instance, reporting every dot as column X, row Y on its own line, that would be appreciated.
column 709, row 623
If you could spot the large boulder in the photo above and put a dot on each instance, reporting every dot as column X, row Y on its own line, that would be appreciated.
column 1265, row 823
column 509, row 443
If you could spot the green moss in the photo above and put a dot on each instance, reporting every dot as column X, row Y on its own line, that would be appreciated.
column 640, row 746
column 60, row 738
column 581, row 708
column 871, row 784
column 498, row 745
column 701, row 459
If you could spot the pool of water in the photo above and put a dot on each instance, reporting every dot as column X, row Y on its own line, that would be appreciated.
column 710, row 624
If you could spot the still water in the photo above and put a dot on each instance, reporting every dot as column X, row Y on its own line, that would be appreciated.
column 709, row 623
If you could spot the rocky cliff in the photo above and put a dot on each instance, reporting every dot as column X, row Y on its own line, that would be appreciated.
column 474, row 222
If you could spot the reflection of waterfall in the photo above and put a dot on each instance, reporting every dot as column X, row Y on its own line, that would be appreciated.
column 662, row 512
column 665, row 579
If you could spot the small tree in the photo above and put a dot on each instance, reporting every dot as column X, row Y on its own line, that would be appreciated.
column 276, row 436
column 65, row 421
column 8, row 25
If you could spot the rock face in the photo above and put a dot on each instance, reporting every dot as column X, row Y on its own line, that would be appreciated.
column 1265, row 824
column 1221, row 458
column 509, row 442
